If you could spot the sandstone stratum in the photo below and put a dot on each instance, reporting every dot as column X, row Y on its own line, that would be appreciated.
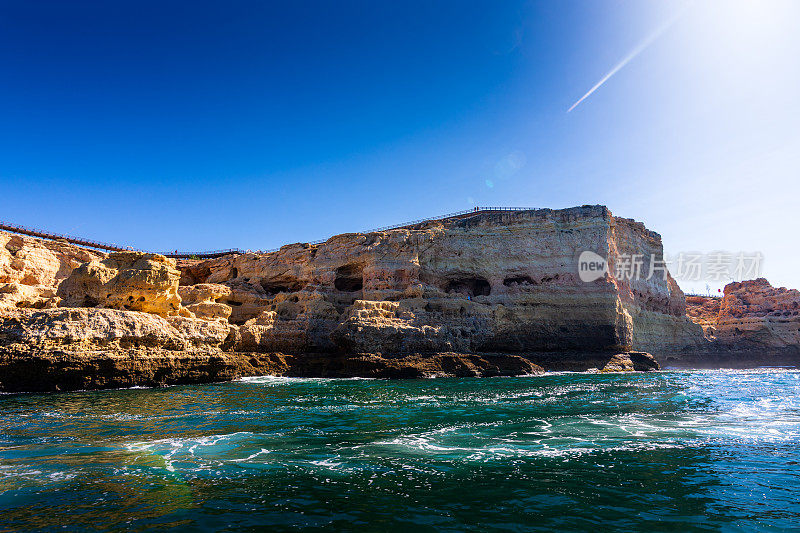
column 489, row 294
column 753, row 324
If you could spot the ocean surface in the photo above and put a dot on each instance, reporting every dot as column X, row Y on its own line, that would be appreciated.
column 666, row 451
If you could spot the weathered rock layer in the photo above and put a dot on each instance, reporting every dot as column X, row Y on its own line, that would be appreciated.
column 754, row 323
column 497, row 293
column 69, row 349
column 495, row 282
column 31, row 269
column 125, row 280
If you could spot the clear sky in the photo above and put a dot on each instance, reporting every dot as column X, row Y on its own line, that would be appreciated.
column 204, row 125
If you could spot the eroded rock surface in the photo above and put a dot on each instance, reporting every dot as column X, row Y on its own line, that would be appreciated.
column 204, row 300
column 31, row 269
column 631, row 362
column 68, row 349
column 753, row 313
column 755, row 324
column 494, row 282
column 133, row 281
column 703, row 310
column 88, row 348
column 495, row 293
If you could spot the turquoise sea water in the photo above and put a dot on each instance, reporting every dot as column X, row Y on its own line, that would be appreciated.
column 680, row 451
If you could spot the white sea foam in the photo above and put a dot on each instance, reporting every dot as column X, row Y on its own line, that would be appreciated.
column 285, row 380
column 250, row 457
column 535, row 448
column 203, row 448
column 191, row 443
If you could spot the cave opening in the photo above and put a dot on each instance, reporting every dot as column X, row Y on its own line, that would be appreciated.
column 191, row 275
column 518, row 280
column 349, row 278
column 469, row 286
column 276, row 286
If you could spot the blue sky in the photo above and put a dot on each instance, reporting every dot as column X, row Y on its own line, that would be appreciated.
column 199, row 125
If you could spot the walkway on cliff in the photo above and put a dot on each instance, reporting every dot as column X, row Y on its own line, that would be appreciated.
column 111, row 247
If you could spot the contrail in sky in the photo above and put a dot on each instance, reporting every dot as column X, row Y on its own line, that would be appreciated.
column 635, row 52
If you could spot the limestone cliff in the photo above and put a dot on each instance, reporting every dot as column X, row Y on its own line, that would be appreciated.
column 202, row 301
column 494, row 293
column 494, row 282
column 31, row 269
column 125, row 280
column 91, row 348
column 703, row 310
column 754, row 323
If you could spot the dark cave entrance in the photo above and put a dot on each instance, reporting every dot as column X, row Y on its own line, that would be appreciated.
column 518, row 280
column 469, row 286
column 349, row 278
column 274, row 287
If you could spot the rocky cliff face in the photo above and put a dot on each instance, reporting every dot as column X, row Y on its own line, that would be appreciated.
column 133, row 281
column 754, row 323
column 495, row 282
column 753, row 314
column 495, row 293
column 91, row 348
column 703, row 310
column 31, row 270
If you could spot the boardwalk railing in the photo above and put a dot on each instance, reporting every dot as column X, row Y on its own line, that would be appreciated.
column 209, row 254
column 701, row 295
column 89, row 243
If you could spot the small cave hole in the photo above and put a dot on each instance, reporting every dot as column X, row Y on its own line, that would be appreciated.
column 192, row 275
column 275, row 287
column 469, row 286
column 349, row 278
column 518, row 280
